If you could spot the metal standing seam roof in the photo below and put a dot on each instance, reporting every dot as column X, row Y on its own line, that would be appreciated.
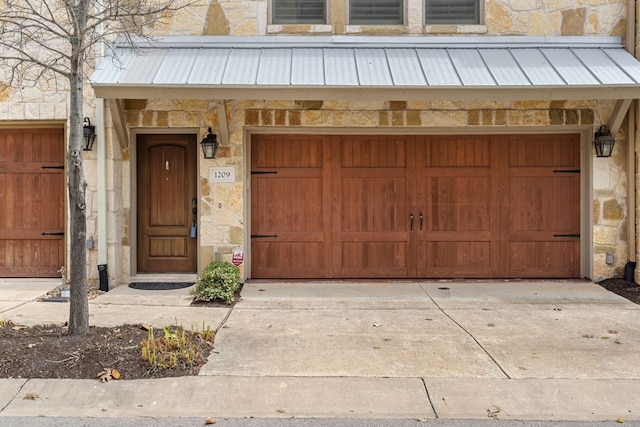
column 290, row 67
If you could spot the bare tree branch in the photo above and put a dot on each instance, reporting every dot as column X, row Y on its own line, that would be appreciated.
column 43, row 40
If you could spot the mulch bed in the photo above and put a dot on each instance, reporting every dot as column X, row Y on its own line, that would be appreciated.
column 47, row 351
column 629, row 290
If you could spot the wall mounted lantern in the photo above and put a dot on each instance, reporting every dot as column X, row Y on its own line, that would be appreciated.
column 603, row 142
column 89, row 133
column 209, row 145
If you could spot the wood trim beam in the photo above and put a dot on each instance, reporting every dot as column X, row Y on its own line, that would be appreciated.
column 223, row 123
column 119, row 121
column 618, row 114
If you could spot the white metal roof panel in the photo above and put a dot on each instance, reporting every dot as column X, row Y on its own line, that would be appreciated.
column 504, row 68
column 572, row 70
column 438, row 67
column 176, row 66
column 471, row 68
column 405, row 67
column 626, row 62
column 275, row 67
column 307, row 67
column 601, row 66
column 143, row 68
column 209, row 67
column 323, row 67
column 373, row 67
column 242, row 67
column 537, row 68
column 340, row 67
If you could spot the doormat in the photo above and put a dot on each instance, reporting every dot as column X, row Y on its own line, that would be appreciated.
column 159, row 286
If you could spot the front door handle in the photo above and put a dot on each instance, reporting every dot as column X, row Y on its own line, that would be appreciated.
column 421, row 218
column 411, row 221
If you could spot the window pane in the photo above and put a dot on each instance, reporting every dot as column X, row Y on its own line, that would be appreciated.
column 298, row 12
column 375, row 12
column 452, row 12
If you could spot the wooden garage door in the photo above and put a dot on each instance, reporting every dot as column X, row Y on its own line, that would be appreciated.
column 415, row 206
column 32, row 209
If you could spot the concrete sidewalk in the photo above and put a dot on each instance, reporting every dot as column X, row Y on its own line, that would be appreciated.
column 530, row 350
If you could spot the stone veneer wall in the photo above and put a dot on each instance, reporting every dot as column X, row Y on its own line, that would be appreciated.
column 238, row 17
column 222, row 216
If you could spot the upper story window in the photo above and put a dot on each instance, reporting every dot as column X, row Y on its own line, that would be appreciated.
column 298, row 12
column 461, row 12
column 376, row 12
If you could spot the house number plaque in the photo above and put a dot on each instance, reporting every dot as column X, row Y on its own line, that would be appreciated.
column 222, row 174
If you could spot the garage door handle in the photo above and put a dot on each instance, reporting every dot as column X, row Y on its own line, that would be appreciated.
column 411, row 221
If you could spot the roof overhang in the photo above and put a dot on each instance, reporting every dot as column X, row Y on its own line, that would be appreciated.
column 369, row 68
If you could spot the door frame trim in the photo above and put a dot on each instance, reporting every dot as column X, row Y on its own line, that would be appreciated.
column 586, row 168
column 133, row 189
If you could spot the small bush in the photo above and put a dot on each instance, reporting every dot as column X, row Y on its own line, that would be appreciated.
column 219, row 280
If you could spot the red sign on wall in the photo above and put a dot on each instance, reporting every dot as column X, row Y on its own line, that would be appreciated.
column 237, row 256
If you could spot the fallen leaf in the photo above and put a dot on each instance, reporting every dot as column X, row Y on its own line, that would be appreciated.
column 493, row 411
column 612, row 331
column 376, row 324
column 211, row 420
column 620, row 420
column 587, row 336
column 31, row 396
column 146, row 326
column 280, row 411
column 115, row 374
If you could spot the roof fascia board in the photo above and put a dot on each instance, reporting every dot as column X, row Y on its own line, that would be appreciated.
column 369, row 93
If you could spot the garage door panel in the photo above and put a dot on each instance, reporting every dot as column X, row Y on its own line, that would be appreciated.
column 32, row 192
column 545, row 259
column 456, row 259
column 374, row 259
column 288, row 259
column 544, row 207
column 456, row 204
column 482, row 206
column 373, row 152
column 374, row 204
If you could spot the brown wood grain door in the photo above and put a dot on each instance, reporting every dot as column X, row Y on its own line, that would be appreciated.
column 544, row 205
column 32, row 212
column 415, row 206
column 371, row 214
column 290, row 206
column 166, row 188
column 456, row 207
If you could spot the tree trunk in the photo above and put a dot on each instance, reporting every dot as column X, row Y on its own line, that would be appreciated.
column 79, row 307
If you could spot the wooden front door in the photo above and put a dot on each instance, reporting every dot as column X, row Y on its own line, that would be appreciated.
column 166, row 190
column 415, row 206
column 32, row 219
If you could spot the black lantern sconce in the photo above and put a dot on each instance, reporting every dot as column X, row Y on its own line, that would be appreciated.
column 209, row 145
column 89, row 133
column 603, row 142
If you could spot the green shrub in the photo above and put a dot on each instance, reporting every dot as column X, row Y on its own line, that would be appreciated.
column 219, row 280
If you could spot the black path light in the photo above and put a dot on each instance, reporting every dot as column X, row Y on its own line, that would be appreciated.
column 209, row 145
column 603, row 142
column 89, row 133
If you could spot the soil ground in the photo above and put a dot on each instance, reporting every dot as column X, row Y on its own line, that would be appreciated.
column 47, row 351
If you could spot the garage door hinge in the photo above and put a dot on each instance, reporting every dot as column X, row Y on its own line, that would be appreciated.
column 567, row 235
column 263, row 236
column 263, row 172
column 52, row 167
column 566, row 171
column 57, row 233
